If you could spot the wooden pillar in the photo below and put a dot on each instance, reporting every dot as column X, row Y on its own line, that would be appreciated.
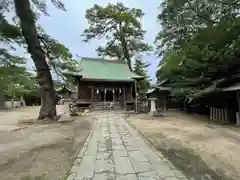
column 78, row 88
column 124, row 99
column 211, row 112
column 238, row 99
column 113, row 91
column 136, row 95
column 105, row 92
column 216, row 109
column 184, row 105
column 92, row 96
column 225, row 114
column 164, row 104
column 131, row 92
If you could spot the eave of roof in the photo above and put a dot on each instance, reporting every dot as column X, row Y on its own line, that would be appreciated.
column 235, row 87
column 74, row 74
column 107, row 80
column 160, row 89
column 163, row 88
column 64, row 87
column 150, row 91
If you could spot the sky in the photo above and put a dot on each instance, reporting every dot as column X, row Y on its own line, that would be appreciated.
column 68, row 26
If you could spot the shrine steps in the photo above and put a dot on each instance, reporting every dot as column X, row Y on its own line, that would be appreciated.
column 106, row 106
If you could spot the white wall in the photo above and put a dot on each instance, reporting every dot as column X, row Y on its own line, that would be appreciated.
column 10, row 104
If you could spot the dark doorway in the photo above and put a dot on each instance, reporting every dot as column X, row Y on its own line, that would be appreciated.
column 102, row 95
column 109, row 95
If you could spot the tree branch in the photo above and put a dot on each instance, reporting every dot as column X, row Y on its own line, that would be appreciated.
column 100, row 31
column 199, row 15
column 105, row 52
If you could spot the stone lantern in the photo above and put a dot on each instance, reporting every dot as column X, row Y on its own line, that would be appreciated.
column 153, row 110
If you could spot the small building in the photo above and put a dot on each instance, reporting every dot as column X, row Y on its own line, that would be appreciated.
column 228, row 110
column 161, row 93
column 101, row 83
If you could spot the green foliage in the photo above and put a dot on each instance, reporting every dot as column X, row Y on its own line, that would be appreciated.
column 200, row 44
column 121, row 27
column 17, row 81
column 140, row 69
column 8, row 32
column 58, row 55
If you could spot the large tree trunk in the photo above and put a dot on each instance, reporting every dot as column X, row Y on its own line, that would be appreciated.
column 126, row 53
column 44, row 78
column 124, row 46
column 23, row 102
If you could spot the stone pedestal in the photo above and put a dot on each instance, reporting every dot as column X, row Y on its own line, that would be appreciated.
column 153, row 110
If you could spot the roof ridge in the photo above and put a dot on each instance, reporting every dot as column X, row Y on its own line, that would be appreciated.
column 117, row 61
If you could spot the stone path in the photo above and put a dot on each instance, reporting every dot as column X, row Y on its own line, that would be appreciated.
column 115, row 151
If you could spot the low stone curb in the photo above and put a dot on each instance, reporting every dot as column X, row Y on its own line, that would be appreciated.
column 72, row 174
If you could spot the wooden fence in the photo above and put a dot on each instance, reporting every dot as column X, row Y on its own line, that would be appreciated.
column 219, row 114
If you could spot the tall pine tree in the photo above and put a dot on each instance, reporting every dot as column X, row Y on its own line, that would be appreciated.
column 140, row 69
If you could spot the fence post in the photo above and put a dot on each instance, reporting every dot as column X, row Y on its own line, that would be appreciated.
column 211, row 113
column 226, row 114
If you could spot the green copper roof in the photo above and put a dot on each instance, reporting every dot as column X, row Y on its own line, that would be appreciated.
column 105, row 70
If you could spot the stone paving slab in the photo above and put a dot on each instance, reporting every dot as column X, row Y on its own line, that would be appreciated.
column 115, row 151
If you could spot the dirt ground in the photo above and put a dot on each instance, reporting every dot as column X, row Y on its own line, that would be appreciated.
column 200, row 149
column 40, row 150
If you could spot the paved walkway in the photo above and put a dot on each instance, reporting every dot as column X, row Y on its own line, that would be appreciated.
column 115, row 151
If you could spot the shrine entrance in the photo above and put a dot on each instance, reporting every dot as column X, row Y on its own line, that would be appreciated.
column 109, row 95
column 102, row 95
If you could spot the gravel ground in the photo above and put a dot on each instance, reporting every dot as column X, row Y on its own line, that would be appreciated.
column 39, row 150
column 202, row 150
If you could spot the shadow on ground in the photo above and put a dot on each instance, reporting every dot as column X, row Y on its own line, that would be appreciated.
column 188, row 161
column 184, row 159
